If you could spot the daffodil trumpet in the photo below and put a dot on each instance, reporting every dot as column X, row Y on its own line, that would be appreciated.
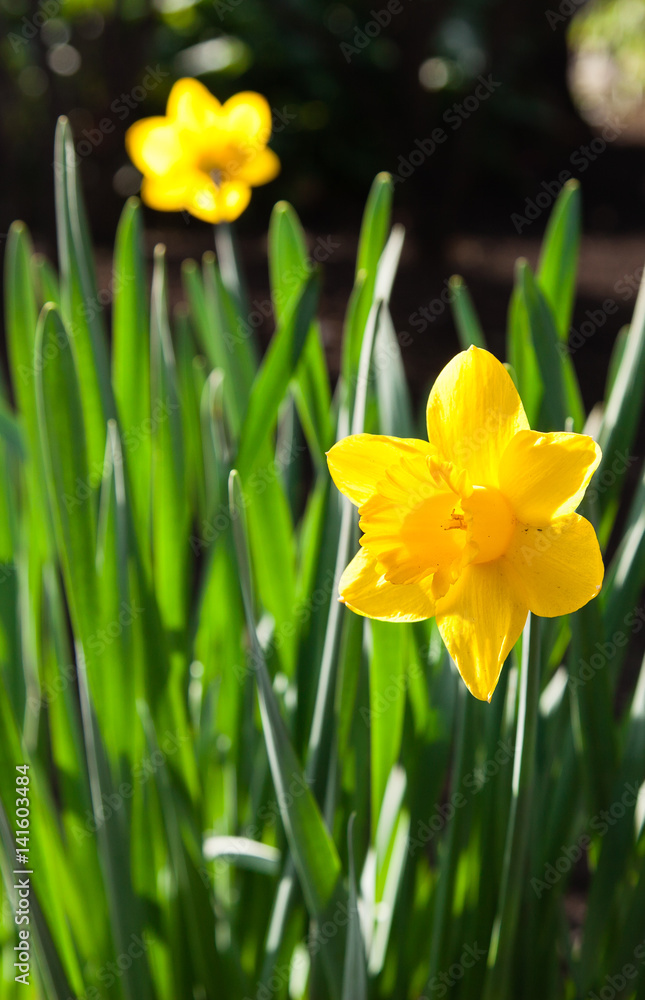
column 204, row 157
column 475, row 526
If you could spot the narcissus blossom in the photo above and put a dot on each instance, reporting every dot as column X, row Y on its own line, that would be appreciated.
column 202, row 156
column 475, row 526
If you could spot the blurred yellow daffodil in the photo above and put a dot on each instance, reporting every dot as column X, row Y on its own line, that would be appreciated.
column 202, row 156
column 476, row 527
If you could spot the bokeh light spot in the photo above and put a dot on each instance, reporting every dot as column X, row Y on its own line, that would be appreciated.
column 55, row 32
column 33, row 81
column 127, row 181
column 64, row 60
column 339, row 18
column 434, row 73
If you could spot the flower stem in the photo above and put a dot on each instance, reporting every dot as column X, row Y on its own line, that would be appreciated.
column 447, row 865
column 229, row 265
column 503, row 937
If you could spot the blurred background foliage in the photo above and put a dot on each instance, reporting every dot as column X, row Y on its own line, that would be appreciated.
column 349, row 99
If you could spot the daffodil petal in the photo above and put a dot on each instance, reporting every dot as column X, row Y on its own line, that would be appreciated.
column 172, row 192
column 249, row 115
column 203, row 201
column 360, row 461
column 408, row 523
column 480, row 620
column 215, row 204
column 192, row 106
column 234, row 196
column 364, row 589
column 473, row 413
column 260, row 169
column 154, row 146
column 560, row 566
column 545, row 475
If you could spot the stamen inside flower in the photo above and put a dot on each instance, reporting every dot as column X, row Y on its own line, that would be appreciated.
column 223, row 163
column 427, row 523
column 415, row 525
column 491, row 522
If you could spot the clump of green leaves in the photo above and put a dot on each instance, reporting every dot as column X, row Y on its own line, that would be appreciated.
column 238, row 788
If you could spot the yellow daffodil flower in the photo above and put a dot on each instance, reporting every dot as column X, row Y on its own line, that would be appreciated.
column 476, row 526
column 202, row 156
